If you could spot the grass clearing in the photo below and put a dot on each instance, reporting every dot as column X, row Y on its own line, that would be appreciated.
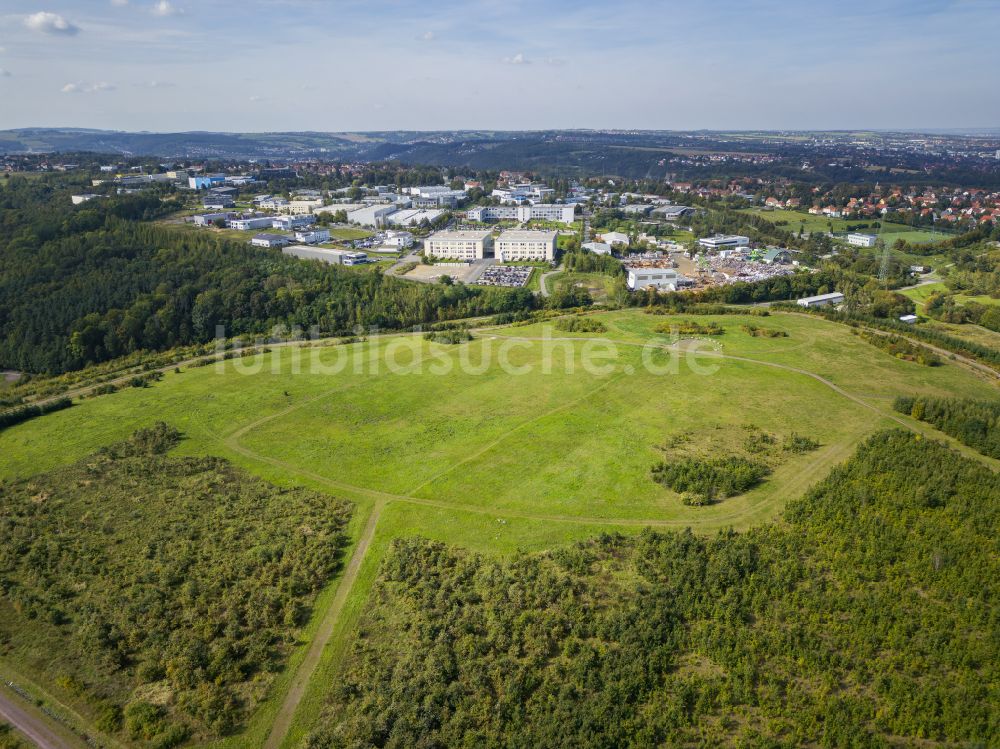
column 496, row 461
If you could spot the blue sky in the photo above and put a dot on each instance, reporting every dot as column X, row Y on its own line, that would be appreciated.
column 256, row 65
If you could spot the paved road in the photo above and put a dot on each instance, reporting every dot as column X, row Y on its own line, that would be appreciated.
column 542, row 285
column 478, row 267
column 27, row 720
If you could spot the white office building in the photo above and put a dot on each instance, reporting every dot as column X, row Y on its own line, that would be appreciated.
column 514, row 246
column 398, row 240
column 208, row 219
column 255, row 222
column 293, row 222
column 862, row 240
column 301, row 207
column 557, row 212
column 269, row 240
column 312, row 236
column 720, row 241
column 666, row 279
column 459, row 245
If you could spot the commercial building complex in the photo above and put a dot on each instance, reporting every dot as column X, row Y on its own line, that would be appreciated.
column 513, row 246
column 459, row 245
column 547, row 212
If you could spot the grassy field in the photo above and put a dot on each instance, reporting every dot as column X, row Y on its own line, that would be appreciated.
column 448, row 443
column 600, row 285
column 892, row 232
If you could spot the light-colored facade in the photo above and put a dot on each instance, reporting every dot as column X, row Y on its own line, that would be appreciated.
column 333, row 257
column 374, row 215
column 514, row 246
column 400, row 240
column 615, row 237
column 821, row 300
column 543, row 212
column 660, row 278
column 724, row 240
column 293, row 222
column 598, row 248
column 312, row 236
column 269, row 240
column 862, row 240
column 301, row 207
column 256, row 222
column 459, row 245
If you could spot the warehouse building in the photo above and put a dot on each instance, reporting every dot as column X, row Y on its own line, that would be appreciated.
column 333, row 257
column 514, row 246
column 821, row 300
column 666, row 279
column 720, row 241
column 256, row 222
column 269, row 240
column 373, row 215
column 459, row 245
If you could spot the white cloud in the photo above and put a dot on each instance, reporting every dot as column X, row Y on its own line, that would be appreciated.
column 427, row 36
column 4, row 73
column 166, row 8
column 50, row 23
column 256, row 98
column 518, row 59
column 157, row 84
column 87, row 88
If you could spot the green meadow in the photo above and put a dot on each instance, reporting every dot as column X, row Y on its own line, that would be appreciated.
column 525, row 438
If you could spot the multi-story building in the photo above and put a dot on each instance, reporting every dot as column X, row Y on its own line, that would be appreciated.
column 459, row 245
column 293, row 222
column 543, row 212
column 312, row 236
column 862, row 240
column 513, row 246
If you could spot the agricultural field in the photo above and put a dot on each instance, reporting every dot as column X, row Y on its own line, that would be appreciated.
column 527, row 438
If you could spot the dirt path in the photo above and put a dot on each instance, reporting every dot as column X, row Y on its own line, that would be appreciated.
column 31, row 723
column 305, row 670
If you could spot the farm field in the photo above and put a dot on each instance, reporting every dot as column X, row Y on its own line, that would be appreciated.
column 526, row 438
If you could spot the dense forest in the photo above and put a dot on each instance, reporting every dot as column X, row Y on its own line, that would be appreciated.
column 133, row 582
column 866, row 619
column 973, row 423
column 84, row 286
